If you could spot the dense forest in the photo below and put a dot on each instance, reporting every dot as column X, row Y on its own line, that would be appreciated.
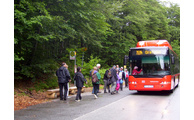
column 45, row 31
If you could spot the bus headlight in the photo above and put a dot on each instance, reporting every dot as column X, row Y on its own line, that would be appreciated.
column 165, row 83
column 134, row 82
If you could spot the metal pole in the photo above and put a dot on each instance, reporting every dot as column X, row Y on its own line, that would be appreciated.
column 82, row 59
column 75, row 62
column 75, row 67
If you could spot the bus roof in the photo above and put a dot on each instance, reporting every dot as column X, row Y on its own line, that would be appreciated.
column 154, row 43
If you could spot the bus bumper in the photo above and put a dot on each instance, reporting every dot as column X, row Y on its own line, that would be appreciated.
column 149, row 87
column 150, row 84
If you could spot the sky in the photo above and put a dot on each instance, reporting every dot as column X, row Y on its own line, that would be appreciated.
column 173, row 1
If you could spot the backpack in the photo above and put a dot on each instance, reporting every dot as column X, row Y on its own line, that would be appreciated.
column 109, row 74
column 94, row 78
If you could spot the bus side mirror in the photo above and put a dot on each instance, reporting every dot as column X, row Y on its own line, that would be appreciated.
column 125, row 60
column 172, row 59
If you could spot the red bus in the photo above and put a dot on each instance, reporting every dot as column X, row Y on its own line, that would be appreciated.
column 160, row 66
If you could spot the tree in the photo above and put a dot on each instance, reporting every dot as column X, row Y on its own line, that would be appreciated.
column 47, row 30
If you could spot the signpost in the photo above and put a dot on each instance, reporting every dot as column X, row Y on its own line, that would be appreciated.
column 73, row 57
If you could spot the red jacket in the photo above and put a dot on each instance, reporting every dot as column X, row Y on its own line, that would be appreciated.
column 135, row 72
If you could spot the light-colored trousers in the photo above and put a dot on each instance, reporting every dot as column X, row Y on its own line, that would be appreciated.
column 113, row 86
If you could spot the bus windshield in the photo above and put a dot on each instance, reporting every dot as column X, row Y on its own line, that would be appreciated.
column 154, row 65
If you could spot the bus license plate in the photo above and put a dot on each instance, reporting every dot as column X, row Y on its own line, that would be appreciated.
column 148, row 86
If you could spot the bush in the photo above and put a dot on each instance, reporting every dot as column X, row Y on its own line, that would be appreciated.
column 102, row 72
column 40, row 86
column 89, row 83
column 50, row 83
column 87, row 67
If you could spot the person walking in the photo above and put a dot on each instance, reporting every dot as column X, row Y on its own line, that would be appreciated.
column 106, row 80
column 98, row 69
column 95, row 81
column 113, row 80
column 66, row 66
column 118, row 82
column 121, row 80
column 126, row 77
column 117, row 68
column 79, row 78
column 63, row 78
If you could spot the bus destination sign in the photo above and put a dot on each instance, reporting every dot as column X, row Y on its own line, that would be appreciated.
column 149, row 52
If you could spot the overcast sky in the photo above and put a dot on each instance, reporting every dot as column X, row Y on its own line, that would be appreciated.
column 173, row 1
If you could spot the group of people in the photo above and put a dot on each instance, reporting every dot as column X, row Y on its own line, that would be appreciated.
column 115, row 77
column 64, row 78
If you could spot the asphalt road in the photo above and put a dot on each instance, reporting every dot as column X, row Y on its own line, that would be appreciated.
column 126, row 105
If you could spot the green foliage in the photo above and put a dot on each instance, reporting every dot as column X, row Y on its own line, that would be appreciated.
column 40, row 86
column 102, row 72
column 46, row 31
column 176, row 47
column 87, row 67
column 89, row 82
column 50, row 82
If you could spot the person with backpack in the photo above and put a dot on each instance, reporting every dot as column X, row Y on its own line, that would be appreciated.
column 113, row 79
column 98, row 69
column 79, row 78
column 63, row 78
column 107, row 83
column 121, row 80
column 95, row 81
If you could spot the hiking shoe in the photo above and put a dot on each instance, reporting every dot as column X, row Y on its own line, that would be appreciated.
column 95, row 96
column 77, row 100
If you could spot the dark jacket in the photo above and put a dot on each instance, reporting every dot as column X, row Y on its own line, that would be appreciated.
column 123, row 75
column 106, row 75
column 63, row 75
column 79, row 78
column 113, row 75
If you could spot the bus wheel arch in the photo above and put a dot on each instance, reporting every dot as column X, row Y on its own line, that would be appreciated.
column 173, row 85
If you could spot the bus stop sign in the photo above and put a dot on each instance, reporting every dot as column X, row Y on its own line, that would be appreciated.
column 72, row 55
